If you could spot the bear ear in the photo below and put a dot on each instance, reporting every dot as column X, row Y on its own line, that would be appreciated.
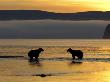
column 69, row 49
column 41, row 49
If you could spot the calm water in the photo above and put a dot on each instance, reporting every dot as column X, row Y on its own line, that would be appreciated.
column 92, row 48
column 55, row 62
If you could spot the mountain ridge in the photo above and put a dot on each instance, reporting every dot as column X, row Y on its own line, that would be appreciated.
column 39, row 14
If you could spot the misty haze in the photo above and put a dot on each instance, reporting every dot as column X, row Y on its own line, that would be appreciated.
column 52, row 29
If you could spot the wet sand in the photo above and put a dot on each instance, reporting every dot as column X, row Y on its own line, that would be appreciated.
column 16, row 70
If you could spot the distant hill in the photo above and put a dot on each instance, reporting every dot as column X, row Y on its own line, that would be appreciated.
column 38, row 14
column 107, row 32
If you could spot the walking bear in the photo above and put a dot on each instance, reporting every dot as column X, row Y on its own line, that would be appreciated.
column 76, row 53
column 34, row 54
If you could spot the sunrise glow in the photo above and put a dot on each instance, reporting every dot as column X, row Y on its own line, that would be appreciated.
column 56, row 5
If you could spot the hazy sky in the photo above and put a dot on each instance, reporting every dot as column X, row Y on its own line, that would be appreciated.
column 56, row 5
column 53, row 29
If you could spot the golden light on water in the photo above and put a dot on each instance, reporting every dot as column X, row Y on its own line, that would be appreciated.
column 57, row 5
column 103, row 76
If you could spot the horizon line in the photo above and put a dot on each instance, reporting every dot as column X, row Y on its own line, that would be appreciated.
column 47, row 11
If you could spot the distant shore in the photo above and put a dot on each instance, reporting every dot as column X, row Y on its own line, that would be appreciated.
column 39, row 15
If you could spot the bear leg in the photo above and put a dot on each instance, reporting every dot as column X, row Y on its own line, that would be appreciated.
column 31, row 59
column 73, row 57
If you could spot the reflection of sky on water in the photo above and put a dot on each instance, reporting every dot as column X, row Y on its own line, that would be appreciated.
column 56, row 71
column 55, row 47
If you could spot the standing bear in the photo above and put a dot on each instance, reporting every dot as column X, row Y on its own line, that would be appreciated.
column 76, row 53
column 34, row 54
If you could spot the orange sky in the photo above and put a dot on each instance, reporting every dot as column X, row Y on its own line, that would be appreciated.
column 56, row 5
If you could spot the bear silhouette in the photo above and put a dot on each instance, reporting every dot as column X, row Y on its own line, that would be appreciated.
column 76, row 53
column 34, row 54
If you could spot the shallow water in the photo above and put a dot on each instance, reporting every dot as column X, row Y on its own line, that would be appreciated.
column 55, row 47
column 56, row 71
column 54, row 62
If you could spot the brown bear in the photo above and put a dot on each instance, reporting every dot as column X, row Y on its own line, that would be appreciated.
column 76, row 53
column 34, row 54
